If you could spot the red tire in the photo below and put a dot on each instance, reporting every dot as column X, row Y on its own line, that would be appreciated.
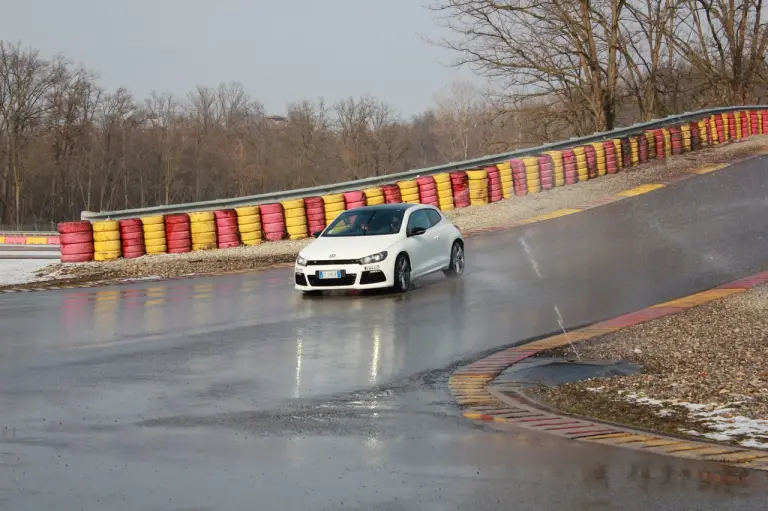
column 74, row 227
column 229, row 244
column 177, row 244
column 225, row 214
column 180, row 250
column 271, row 218
column 77, row 258
column 270, row 209
column 76, row 237
column 131, row 229
column 226, row 223
column 316, row 217
column 178, row 236
column 228, row 238
column 274, row 236
column 274, row 228
column 358, row 204
column 77, row 248
column 180, row 218
column 177, row 228
column 353, row 198
column 132, row 236
column 133, row 254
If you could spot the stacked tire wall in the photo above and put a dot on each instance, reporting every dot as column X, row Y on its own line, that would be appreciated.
column 298, row 219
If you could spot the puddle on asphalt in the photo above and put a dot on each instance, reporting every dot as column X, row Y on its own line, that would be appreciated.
column 556, row 371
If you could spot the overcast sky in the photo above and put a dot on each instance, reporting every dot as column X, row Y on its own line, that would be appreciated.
column 281, row 50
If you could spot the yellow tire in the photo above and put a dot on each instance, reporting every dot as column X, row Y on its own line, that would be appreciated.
column 294, row 213
column 106, row 236
column 252, row 243
column 334, row 208
column 106, row 226
column 248, row 220
column 293, row 204
column 296, row 221
column 154, row 236
column 203, row 237
column 152, row 228
column 475, row 175
column 373, row 194
column 201, row 216
column 333, row 198
column 299, row 236
column 152, row 220
column 106, row 246
column 155, row 249
column 203, row 246
column 106, row 256
column 247, row 211
column 375, row 201
column 247, row 237
column 202, row 227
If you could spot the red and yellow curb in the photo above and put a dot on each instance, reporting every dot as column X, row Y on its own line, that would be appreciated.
column 12, row 239
column 481, row 402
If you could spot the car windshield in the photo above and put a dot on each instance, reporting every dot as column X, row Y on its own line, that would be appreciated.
column 373, row 222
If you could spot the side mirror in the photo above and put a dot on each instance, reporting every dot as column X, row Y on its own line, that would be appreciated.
column 417, row 231
column 317, row 234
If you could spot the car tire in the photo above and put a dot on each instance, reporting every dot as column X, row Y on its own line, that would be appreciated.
column 402, row 274
column 457, row 261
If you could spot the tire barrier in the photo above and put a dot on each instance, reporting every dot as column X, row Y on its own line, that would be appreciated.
column 478, row 187
column 355, row 199
column 273, row 221
column 569, row 167
column 295, row 218
column 591, row 156
column 333, row 205
column 730, row 121
column 582, row 167
column 518, row 177
column 249, row 223
column 494, row 184
column 676, row 140
column 178, row 233
column 409, row 191
column 642, row 149
column 392, row 194
column 460, row 186
column 76, row 241
column 611, row 164
column 227, row 234
column 374, row 196
column 444, row 191
column 202, row 226
column 427, row 190
column 558, row 166
column 313, row 206
column 106, row 240
column 154, row 235
column 532, row 174
column 546, row 172
column 131, row 238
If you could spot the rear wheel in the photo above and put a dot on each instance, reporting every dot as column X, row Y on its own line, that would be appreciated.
column 456, row 266
column 402, row 274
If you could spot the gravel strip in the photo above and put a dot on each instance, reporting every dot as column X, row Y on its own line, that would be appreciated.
column 468, row 219
column 705, row 362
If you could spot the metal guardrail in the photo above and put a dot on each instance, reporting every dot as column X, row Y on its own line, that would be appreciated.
column 390, row 178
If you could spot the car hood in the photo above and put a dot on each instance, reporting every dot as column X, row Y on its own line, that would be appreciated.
column 352, row 247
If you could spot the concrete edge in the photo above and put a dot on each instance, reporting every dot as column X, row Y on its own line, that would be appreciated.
column 481, row 401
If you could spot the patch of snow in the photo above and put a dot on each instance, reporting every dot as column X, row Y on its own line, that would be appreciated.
column 721, row 419
column 21, row 271
column 595, row 389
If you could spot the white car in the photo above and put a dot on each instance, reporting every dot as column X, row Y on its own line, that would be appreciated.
column 384, row 246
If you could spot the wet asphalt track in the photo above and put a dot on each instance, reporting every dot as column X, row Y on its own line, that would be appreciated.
column 237, row 393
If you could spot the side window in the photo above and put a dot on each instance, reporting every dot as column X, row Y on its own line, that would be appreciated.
column 419, row 219
column 434, row 217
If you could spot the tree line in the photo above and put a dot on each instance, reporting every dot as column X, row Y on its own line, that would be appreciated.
column 556, row 68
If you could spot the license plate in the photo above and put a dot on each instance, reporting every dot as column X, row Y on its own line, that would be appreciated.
column 335, row 274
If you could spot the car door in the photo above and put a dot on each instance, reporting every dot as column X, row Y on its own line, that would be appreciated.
column 419, row 247
column 440, row 236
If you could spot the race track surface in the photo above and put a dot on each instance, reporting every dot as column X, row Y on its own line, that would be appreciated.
column 236, row 392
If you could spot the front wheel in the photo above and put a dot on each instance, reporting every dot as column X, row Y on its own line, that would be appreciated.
column 402, row 274
column 456, row 266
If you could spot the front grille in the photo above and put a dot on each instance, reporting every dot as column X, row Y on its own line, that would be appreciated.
column 301, row 280
column 372, row 277
column 331, row 262
column 346, row 280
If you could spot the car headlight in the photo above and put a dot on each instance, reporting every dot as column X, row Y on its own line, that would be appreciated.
column 375, row 258
column 301, row 261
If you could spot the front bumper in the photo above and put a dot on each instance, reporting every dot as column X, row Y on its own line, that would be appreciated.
column 354, row 276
